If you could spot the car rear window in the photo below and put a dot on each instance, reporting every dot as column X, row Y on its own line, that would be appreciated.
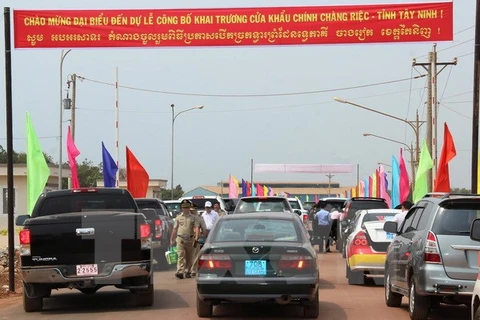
column 365, row 204
column 457, row 220
column 256, row 230
column 294, row 204
column 146, row 204
column 262, row 205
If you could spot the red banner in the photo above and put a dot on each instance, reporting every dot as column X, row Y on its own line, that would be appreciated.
column 410, row 22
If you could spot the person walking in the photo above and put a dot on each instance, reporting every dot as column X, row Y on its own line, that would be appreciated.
column 323, row 222
column 184, row 234
column 196, row 250
column 216, row 208
column 399, row 218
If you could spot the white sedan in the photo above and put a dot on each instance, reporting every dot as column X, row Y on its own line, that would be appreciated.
column 367, row 244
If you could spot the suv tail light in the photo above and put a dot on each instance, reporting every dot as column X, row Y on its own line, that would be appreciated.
column 215, row 262
column 25, row 238
column 297, row 262
column 432, row 254
column 145, row 236
column 158, row 228
column 360, row 239
column 305, row 218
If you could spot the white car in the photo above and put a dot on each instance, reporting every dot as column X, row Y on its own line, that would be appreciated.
column 366, row 246
column 296, row 204
column 199, row 201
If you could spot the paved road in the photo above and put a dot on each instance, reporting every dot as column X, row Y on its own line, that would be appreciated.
column 175, row 299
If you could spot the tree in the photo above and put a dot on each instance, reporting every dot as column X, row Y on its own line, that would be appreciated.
column 177, row 193
column 458, row 190
column 88, row 174
column 20, row 158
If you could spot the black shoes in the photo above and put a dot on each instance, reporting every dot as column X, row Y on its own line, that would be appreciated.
column 179, row 275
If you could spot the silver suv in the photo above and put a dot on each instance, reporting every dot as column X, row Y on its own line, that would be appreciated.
column 432, row 259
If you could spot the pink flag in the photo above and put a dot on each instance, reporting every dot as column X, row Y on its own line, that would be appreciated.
column 383, row 186
column 361, row 190
column 316, row 198
column 232, row 187
column 72, row 154
column 404, row 181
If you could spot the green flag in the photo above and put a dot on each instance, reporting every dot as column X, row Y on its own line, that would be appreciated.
column 425, row 164
column 37, row 168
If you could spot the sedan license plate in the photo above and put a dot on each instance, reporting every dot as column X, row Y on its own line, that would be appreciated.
column 255, row 267
column 87, row 270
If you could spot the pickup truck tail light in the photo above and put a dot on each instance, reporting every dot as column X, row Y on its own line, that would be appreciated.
column 296, row 262
column 215, row 262
column 158, row 228
column 145, row 236
column 25, row 242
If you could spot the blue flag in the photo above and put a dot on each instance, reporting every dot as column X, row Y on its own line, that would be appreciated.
column 109, row 168
column 395, row 182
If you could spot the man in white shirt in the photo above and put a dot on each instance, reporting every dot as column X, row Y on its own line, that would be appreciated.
column 400, row 217
column 209, row 216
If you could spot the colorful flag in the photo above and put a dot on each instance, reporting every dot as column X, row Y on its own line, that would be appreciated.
column 270, row 192
column 367, row 188
column 72, row 153
column 265, row 191
column 395, row 182
column 253, row 189
column 110, row 168
column 374, row 184
column 137, row 177
column 384, row 186
column 404, row 183
column 370, row 187
column 361, row 189
column 37, row 168
column 425, row 164
column 232, row 187
column 249, row 188
column 259, row 190
column 442, row 180
column 307, row 198
column 316, row 198
column 244, row 188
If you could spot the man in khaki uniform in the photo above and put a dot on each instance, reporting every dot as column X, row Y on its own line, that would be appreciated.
column 185, row 234
column 203, row 231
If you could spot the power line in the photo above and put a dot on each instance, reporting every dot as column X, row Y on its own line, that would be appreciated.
column 251, row 95
column 455, row 111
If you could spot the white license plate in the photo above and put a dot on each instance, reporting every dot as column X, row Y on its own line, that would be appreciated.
column 87, row 270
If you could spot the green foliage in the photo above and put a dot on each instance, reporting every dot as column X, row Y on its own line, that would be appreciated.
column 20, row 157
column 458, row 190
column 177, row 193
column 88, row 174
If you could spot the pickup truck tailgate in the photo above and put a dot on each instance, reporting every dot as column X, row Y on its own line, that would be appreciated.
column 85, row 238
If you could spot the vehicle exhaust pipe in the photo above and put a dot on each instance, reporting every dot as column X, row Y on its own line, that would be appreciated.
column 285, row 299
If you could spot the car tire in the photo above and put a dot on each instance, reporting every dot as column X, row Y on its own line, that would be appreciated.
column 392, row 299
column 31, row 304
column 477, row 314
column 312, row 309
column 355, row 277
column 204, row 309
column 418, row 306
column 145, row 298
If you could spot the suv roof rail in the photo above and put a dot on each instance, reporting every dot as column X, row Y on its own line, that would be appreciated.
column 369, row 198
column 446, row 195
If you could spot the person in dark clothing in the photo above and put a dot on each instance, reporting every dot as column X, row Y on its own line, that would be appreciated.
column 323, row 224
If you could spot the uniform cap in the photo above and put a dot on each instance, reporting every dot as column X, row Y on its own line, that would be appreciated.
column 186, row 203
column 208, row 204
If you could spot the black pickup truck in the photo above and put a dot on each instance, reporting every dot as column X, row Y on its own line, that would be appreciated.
column 85, row 239
column 161, row 224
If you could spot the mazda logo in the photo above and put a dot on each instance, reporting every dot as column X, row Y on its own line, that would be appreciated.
column 255, row 250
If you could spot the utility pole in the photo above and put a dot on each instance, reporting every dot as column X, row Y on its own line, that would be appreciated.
column 432, row 108
column 476, row 102
column 329, row 176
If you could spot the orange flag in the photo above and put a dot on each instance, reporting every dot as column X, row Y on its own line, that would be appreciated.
column 442, row 181
column 137, row 177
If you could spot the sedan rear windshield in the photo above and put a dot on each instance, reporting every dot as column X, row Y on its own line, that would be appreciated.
column 263, row 205
column 294, row 204
column 256, row 230
column 456, row 221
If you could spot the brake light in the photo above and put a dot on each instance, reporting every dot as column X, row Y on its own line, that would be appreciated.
column 25, row 238
column 360, row 239
column 144, row 230
column 305, row 218
column 298, row 262
column 158, row 228
column 432, row 254
column 215, row 262
column 82, row 190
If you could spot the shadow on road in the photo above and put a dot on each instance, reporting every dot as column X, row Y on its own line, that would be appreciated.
column 445, row 312
column 266, row 311
column 324, row 284
column 107, row 301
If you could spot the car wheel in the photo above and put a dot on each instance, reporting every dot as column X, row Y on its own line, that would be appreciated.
column 418, row 306
column 204, row 309
column 145, row 298
column 31, row 304
column 355, row 277
column 312, row 309
column 392, row 299
column 477, row 314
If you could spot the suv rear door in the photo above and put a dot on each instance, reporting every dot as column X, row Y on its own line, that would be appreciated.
column 452, row 228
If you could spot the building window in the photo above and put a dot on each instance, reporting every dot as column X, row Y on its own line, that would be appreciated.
column 5, row 200
column 157, row 194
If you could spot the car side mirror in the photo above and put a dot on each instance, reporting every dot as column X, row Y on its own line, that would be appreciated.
column 391, row 226
column 298, row 212
column 475, row 230
column 20, row 221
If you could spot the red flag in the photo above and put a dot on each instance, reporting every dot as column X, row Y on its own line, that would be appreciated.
column 377, row 184
column 404, row 181
column 370, row 187
column 137, row 177
column 249, row 189
column 442, row 181
column 259, row 190
column 72, row 154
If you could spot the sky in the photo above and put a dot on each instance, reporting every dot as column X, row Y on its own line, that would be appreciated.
column 222, row 138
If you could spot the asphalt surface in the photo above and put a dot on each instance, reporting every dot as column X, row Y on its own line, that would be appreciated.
column 175, row 299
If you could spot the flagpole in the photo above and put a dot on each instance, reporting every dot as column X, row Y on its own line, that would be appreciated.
column 117, row 150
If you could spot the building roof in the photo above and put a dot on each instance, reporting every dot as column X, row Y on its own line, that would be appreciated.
column 298, row 191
